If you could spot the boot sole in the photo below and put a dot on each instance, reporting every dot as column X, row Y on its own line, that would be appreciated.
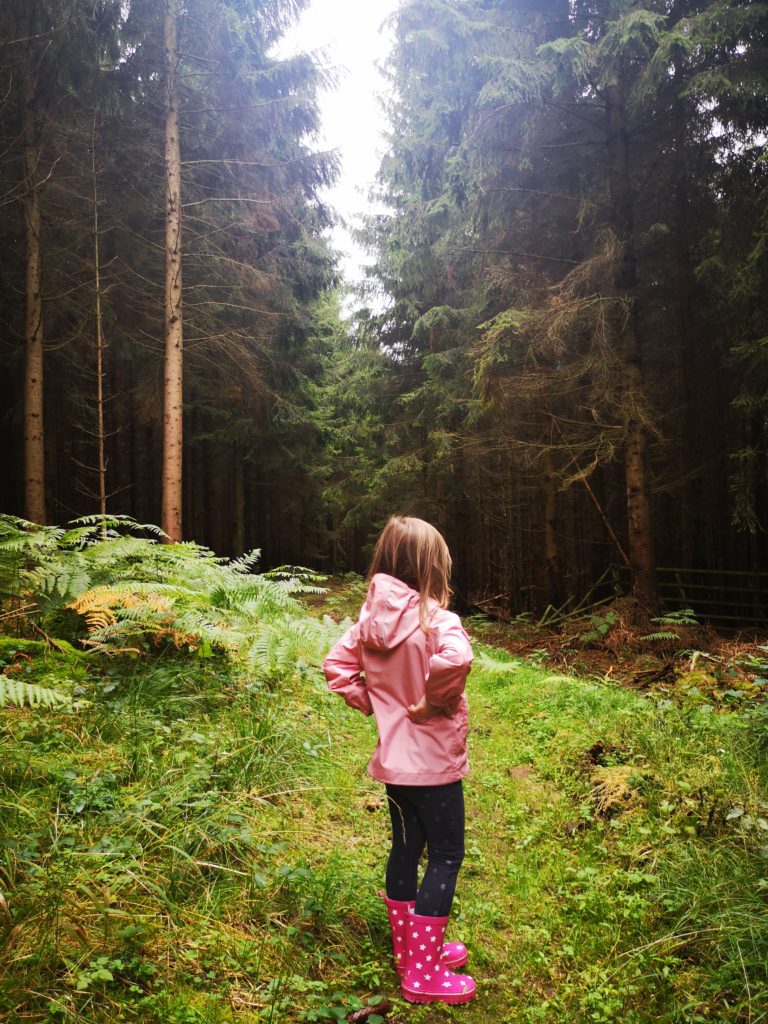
column 423, row 997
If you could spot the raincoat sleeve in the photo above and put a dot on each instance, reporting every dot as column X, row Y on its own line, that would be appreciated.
column 450, row 663
column 344, row 672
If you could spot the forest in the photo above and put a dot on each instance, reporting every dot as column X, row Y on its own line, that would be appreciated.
column 558, row 357
column 559, row 353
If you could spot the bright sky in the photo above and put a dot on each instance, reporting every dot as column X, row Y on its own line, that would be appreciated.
column 352, row 40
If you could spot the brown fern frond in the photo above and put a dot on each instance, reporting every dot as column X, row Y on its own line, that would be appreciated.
column 95, row 607
column 98, row 606
column 102, row 648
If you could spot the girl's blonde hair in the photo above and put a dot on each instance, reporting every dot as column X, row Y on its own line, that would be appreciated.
column 413, row 551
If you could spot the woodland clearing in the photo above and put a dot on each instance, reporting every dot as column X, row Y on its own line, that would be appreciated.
column 193, row 837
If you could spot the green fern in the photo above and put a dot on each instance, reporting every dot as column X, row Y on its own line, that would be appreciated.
column 57, row 584
column 486, row 663
column 680, row 617
column 18, row 693
column 134, row 594
column 246, row 562
column 602, row 624
column 297, row 579
column 280, row 648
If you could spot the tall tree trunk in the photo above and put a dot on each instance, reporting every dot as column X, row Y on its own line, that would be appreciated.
column 173, row 394
column 122, row 435
column 690, row 429
column 641, row 550
column 34, row 450
column 238, row 516
column 100, row 431
column 639, row 521
column 554, row 593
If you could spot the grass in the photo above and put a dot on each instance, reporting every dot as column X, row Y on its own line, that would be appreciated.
column 621, row 899
column 188, row 844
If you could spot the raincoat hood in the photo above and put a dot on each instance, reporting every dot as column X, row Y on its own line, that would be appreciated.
column 390, row 613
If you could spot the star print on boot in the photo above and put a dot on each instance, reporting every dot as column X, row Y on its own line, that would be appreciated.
column 426, row 979
column 454, row 953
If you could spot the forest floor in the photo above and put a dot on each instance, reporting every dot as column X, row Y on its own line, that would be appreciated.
column 188, row 846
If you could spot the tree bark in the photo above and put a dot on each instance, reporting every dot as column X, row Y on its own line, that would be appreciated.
column 100, row 430
column 554, row 593
column 690, row 430
column 238, row 516
column 639, row 519
column 171, row 520
column 34, row 448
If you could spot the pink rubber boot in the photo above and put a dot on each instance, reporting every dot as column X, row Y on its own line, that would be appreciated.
column 426, row 979
column 454, row 953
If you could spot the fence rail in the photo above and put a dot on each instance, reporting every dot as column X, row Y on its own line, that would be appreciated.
column 720, row 596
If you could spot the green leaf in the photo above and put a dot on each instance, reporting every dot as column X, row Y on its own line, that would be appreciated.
column 19, row 694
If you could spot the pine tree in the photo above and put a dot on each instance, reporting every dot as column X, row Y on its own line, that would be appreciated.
column 255, row 262
column 51, row 50
column 171, row 517
column 526, row 144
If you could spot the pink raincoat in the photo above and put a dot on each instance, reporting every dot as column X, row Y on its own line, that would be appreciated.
column 385, row 663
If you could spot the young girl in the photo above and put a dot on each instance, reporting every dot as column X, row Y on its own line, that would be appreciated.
column 405, row 661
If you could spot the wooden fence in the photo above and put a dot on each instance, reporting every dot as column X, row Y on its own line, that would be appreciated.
column 731, row 598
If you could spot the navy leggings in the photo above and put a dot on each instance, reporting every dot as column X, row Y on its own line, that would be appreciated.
column 431, row 816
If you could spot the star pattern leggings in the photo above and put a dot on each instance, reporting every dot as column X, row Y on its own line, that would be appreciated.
column 431, row 816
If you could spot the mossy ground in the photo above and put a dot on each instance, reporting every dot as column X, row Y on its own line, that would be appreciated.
column 189, row 846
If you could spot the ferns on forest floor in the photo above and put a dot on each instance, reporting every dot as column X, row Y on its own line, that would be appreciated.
column 128, row 595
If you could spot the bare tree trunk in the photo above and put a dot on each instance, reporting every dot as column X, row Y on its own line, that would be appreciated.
column 101, row 463
column 639, row 520
column 173, row 394
column 34, row 450
column 441, row 512
column 690, row 430
column 554, row 593
column 195, row 472
column 238, row 517
column 123, row 434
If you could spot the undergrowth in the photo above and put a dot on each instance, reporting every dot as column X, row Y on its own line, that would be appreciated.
column 193, row 838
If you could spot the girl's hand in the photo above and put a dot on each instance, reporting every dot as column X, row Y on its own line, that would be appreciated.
column 423, row 711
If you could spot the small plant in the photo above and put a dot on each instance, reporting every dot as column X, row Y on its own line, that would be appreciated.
column 336, row 1005
column 37, row 674
column 681, row 617
column 93, row 794
column 601, row 626
column 537, row 658
column 757, row 664
column 129, row 970
column 18, row 693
